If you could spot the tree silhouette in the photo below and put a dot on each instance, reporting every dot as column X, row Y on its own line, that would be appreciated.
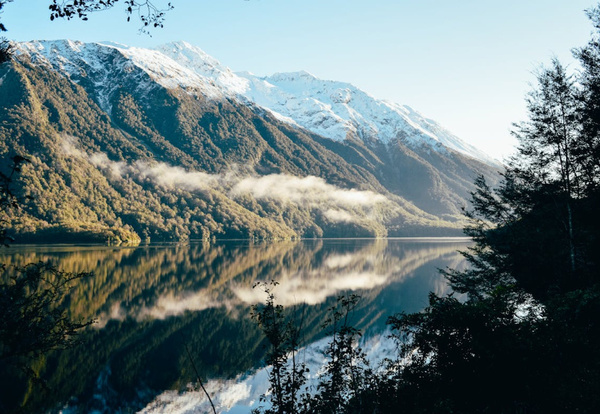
column 6, row 50
column 515, row 341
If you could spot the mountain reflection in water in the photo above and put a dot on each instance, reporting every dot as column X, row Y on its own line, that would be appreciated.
column 153, row 301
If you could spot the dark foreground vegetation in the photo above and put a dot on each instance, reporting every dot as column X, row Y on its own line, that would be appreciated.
column 34, row 301
column 521, row 333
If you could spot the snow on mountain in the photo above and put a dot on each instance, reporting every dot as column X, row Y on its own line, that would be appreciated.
column 446, row 137
column 332, row 109
column 201, row 63
column 102, row 63
column 329, row 108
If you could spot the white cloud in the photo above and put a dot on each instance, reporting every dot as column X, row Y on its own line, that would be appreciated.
column 339, row 216
column 312, row 190
column 336, row 204
column 175, row 177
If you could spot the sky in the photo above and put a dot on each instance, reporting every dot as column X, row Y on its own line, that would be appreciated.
column 467, row 64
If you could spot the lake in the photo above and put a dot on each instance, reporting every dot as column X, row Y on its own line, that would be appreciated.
column 152, row 304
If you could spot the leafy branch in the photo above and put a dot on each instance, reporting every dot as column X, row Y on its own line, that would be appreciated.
column 149, row 14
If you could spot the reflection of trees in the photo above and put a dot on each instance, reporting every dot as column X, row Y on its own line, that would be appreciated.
column 142, row 281
column 138, row 276
column 200, row 285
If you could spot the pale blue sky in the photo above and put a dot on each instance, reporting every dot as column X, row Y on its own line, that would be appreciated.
column 465, row 63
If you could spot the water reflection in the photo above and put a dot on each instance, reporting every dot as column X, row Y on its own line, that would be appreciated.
column 371, row 267
column 152, row 301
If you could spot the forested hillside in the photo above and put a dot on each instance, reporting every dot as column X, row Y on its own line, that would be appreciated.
column 132, row 160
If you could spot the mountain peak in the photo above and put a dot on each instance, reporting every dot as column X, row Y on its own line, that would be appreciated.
column 185, row 52
column 195, row 59
column 107, row 64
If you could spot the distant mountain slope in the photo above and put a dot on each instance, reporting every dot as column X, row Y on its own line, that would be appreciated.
column 129, row 144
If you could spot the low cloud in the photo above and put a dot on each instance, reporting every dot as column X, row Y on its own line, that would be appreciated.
column 176, row 177
column 159, row 173
column 304, row 190
column 116, row 169
column 339, row 216
column 335, row 203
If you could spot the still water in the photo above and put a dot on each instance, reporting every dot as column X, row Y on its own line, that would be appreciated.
column 153, row 304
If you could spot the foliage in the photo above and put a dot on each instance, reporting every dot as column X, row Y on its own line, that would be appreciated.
column 535, row 229
column 8, row 200
column 34, row 307
column 515, row 342
column 148, row 12
column 346, row 376
column 33, row 298
column 283, row 334
column 6, row 50
column 346, row 380
column 464, row 357
column 34, row 304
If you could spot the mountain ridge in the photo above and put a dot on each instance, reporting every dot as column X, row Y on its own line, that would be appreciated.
column 196, row 69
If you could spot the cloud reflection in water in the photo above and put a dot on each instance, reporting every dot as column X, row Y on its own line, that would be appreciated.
column 307, row 274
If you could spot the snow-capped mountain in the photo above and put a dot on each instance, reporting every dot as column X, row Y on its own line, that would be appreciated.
column 336, row 110
column 329, row 108
column 82, row 61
